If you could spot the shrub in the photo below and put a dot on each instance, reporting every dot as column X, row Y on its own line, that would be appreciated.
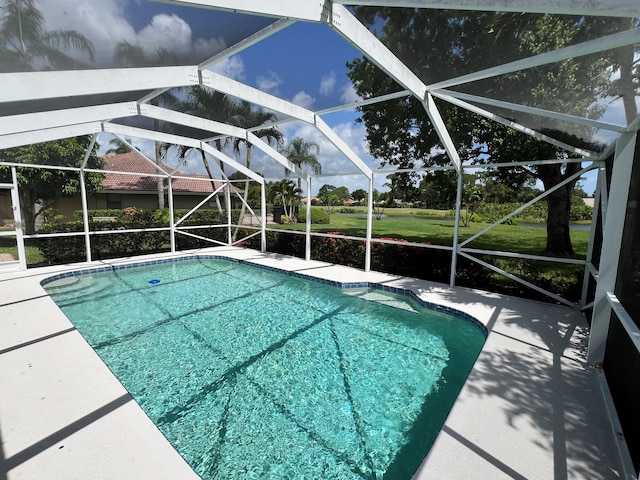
column 65, row 249
column 492, row 212
column 134, row 214
column 345, row 210
column 318, row 215
column 62, row 249
column 581, row 212
column 51, row 215
column 342, row 251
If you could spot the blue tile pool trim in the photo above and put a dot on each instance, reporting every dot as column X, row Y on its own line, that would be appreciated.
column 343, row 285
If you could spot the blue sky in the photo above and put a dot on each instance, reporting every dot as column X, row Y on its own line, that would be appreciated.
column 304, row 63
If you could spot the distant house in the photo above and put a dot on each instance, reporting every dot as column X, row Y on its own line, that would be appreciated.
column 132, row 190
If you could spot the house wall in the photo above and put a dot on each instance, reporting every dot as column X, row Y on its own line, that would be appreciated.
column 6, row 213
column 145, row 201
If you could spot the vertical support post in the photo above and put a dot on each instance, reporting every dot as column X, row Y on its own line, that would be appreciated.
column 456, row 228
column 307, row 243
column 85, row 215
column 612, row 238
column 263, row 212
column 172, row 222
column 227, row 193
column 83, row 197
column 592, row 236
column 367, row 245
column 17, row 217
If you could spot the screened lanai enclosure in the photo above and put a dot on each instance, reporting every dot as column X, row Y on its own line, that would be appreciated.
column 382, row 93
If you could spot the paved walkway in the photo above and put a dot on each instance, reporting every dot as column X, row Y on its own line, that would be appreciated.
column 530, row 409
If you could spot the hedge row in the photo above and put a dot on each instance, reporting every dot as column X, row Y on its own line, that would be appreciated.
column 111, row 245
column 406, row 260
column 492, row 212
column 161, row 217
column 66, row 249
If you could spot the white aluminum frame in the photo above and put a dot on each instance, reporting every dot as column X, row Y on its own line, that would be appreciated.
column 30, row 128
column 612, row 238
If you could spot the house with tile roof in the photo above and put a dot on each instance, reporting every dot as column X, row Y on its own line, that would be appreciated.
column 123, row 186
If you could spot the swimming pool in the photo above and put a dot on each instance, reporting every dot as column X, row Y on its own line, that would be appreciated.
column 252, row 373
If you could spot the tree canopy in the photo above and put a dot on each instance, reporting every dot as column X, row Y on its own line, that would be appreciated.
column 449, row 44
column 330, row 195
column 39, row 188
column 299, row 152
column 26, row 45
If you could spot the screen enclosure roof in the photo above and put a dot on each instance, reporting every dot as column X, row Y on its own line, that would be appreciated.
column 126, row 69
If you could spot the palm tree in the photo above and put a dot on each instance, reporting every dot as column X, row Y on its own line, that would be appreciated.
column 246, row 117
column 214, row 106
column 118, row 147
column 211, row 105
column 25, row 45
column 300, row 153
column 132, row 55
column 286, row 193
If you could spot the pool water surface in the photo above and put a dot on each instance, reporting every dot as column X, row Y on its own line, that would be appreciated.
column 252, row 373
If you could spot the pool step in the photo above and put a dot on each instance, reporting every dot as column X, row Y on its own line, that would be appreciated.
column 385, row 298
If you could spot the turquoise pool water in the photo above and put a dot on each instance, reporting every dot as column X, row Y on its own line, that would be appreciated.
column 252, row 373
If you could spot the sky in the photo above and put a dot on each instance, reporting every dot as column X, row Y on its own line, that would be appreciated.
column 304, row 63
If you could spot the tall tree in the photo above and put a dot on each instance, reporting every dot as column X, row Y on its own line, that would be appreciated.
column 211, row 105
column 247, row 117
column 440, row 44
column 118, row 147
column 301, row 153
column 133, row 55
column 330, row 195
column 39, row 188
column 25, row 44
column 359, row 195
column 284, row 193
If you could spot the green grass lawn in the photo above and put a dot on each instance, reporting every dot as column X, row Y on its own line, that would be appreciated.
column 404, row 212
column 508, row 238
column 415, row 225
column 505, row 238
column 8, row 245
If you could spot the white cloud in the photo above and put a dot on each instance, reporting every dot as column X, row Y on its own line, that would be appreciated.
column 232, row 67
column 166, row 31
column 205, row 48
column 104, row 24
column 303, row 99
column 332, row 160
column 328, row 84
column 269, row 83
column 349, row 94
column 101, row 22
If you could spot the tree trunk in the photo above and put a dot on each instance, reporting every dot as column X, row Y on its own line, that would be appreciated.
column 207, row 167
column 558, row 238
column 559, row 208
column 27, row 207
column 160, row 181
column 246, row 194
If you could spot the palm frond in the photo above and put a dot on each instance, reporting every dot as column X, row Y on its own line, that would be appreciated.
column 68, row 40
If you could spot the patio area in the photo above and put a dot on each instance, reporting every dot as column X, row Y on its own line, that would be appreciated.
column 530, row 409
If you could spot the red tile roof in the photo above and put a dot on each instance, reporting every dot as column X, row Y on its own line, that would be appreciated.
column 132, row 162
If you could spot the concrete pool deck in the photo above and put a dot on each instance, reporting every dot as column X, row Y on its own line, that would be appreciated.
column 530, row 408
